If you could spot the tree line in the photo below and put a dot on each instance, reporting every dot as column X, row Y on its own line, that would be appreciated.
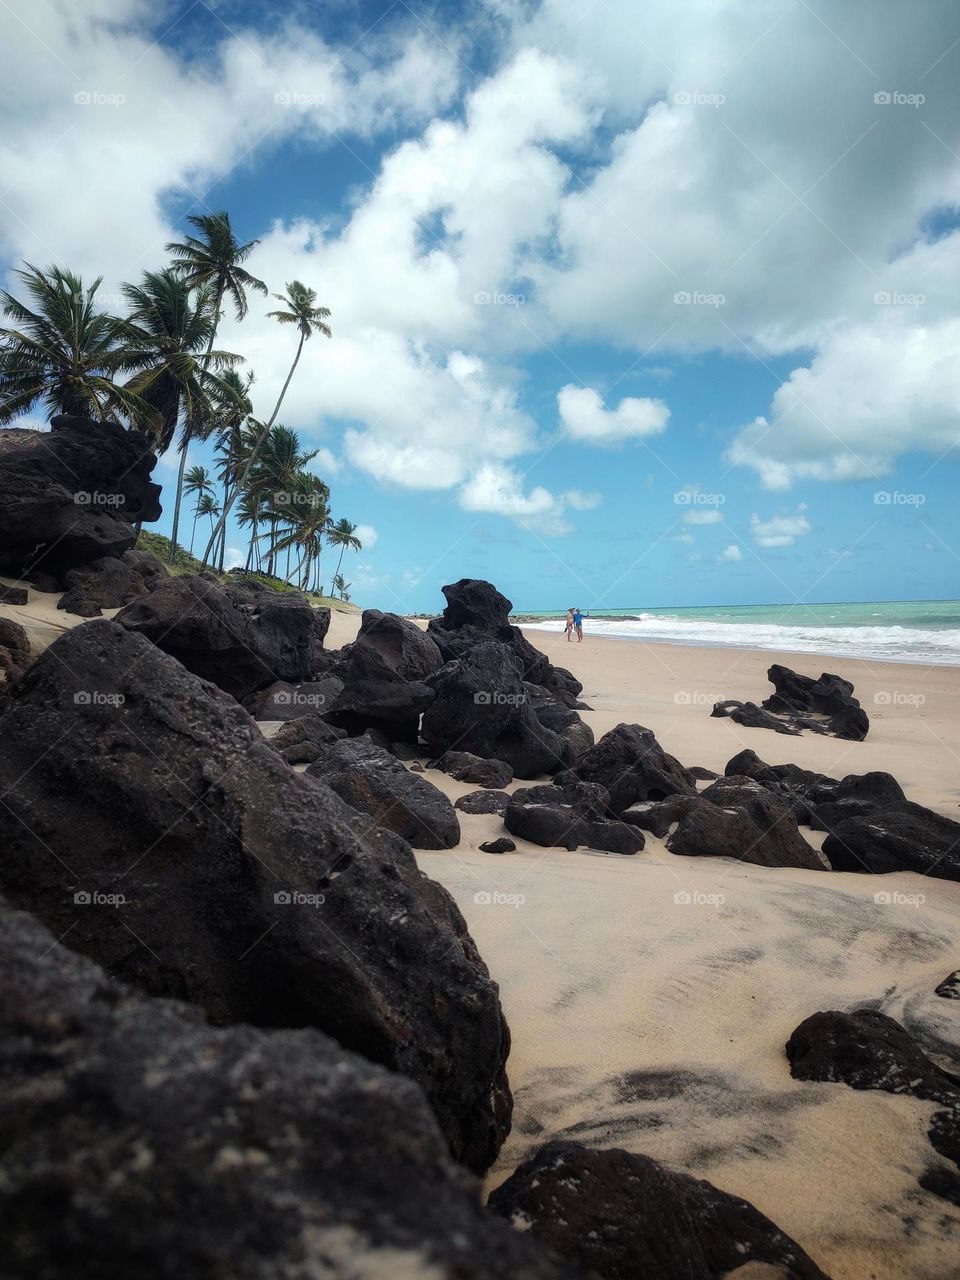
column 157, row 370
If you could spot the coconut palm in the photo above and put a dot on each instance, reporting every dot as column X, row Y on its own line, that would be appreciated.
column 231, row 410
column 169, row 334
column 61, row 353
column 198, row 482
column 207, row 505
column 300, row 310
column 343, row 535
column 306, row 516
column 279, row 476
column 213, row 261
column 341, row 588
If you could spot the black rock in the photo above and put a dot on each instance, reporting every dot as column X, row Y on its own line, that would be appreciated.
column 480, row 706
column 753, row 825
column 906, row 838
column 248, row 889
column 14, row 648
column 702, row 774
column 284, row 701
column 753, row 717
column 825, row 705
column 503, row 845
column 658, row 816
column 106, row 583
column 630, row 763
column 622, row 1216
column 138, row 1141
column 376, row 696
column 802, row 789
column 149, row 567
column 240, row 635
column 72, row 494
column 569, row 817
column 483, row 802
column 855, row 796
column 466, row 767
column 949, row 988
column 306, row 739
column 374, row 782
column 406, row 650
column 13, row 595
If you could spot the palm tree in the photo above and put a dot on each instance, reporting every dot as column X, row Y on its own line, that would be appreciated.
column 307, row 517
column 230, row 414
column 62, row 352
column 167, row 328
column 207, row 505
column 302, row 311
column 199, row 481
column 278, row 474
column 341, row 588
column 213, row 261
column 343, row 535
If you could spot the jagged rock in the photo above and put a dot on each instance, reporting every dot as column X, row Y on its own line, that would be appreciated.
column 753, row 825
column 503, row 845
column 106, row 583
column 466, row 767
column 622, row 1216
column 13, row 595
column 480, row 706
column 406, row 650
column 825, row 705
column 753, row 717
column 855, row 796
column 483, row 802
column 949, row 988
column 659, row 816
column 374, row 782
column 630, row 763
column 139, row 1141
column 907, row 838
column 702, row 774
column 575, row 736
column 375, row 696
column 802, row 789
column 149, row 567
column 14, row 648
column 248, row 889
column 476, row 611
column 284, row 701
column 240, row 635
column 72, row 494
column 306, row 739
column 570, row 817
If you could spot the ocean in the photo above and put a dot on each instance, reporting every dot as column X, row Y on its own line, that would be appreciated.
column 924, row 631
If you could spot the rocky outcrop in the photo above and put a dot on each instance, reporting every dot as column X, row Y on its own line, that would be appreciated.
column 284, row 701
column 374, row 782
column 483, row 802
column 376, row 696
column 13, row 595
column 106, row 583
column 622, row 1216
column 906, row 838
column 825, row 705
column 949, row 988
column 138, row 1141
column 306, row 739
column 72, row 494
column 145, row 815
column 480, row 706
column 571, row 817
column 632, row 766
column 14, row 649
column 240, row 635
column 405, row 649
column 465, row 767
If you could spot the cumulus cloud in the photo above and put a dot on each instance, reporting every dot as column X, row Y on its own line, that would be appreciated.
column 779, row 531
column 367, row 535
column 707, row 515
column 730, row 554
column 584, row 417
column 498, row 490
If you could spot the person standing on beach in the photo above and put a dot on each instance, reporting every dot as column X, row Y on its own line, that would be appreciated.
column 568, row 629
column 578, row 624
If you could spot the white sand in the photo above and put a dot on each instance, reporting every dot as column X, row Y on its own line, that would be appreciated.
column 659, row 1026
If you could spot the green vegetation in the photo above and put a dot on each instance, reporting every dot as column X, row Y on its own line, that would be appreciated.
column 157, row 371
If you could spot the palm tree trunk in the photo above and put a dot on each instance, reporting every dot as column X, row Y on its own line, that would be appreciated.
column 255, row 451
column 193, row 532
column 343, row 547
column 178, row 500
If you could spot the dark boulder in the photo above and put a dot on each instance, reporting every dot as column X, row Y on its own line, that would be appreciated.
column 72, row 494
column 622, row 1216
column 630, row 763
column 753, row 825
column 702, row 774
column 476, row 611
column 802, row 789
column 13, row 595
column 144, row 813
column 239, row 635
column 480, row 706
column 949, row 988
column 14, row 648
column 466, row 767
column 825, row 705
column 139, row 1141
column 906, row 838
column 659, row 816
column 376, row 696
column 106, row 583
column 503, row 845
column 149, row 567
column 483, row 802
column 284, row 701
column 570, row 817
column 406, row 650
column 753, row 717
column 374, row 782
column 856, row 796
column 306, row 739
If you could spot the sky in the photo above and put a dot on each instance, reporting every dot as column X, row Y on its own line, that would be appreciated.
column 633, row 305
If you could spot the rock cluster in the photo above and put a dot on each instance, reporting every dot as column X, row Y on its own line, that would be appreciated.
column 825, row 705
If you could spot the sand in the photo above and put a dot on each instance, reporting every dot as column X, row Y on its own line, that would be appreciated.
column 657, row 1024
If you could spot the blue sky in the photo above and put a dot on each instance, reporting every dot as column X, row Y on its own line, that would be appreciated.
column 641, row 308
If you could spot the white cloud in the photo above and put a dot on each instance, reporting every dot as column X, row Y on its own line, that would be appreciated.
column 779, row 531
column 708, row 515
column 585, row 419
column 730, row 554
column 234, row 558
column 325, row 464
column 498, row 490
column 581, row 501
column 367, row 535
column 684, row 537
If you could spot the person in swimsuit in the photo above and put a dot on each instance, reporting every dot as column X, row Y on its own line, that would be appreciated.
column 578, row 624
column 568, row 629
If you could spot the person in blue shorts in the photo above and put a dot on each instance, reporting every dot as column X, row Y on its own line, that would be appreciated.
column 578, row 624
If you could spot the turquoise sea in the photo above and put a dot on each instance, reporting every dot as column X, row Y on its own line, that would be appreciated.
column 924, row 631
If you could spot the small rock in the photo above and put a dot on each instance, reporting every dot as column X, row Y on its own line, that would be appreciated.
column 503, row 845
